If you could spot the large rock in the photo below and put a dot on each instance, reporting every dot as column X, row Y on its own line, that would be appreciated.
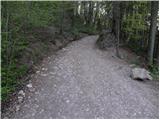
column 106, row 40
column 140, row 74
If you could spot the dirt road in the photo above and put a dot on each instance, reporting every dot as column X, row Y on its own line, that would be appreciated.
column 82, row 81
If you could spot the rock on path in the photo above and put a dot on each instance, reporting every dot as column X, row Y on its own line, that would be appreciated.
column 84, row 82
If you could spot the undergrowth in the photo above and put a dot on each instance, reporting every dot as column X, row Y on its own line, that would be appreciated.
column 154, row 70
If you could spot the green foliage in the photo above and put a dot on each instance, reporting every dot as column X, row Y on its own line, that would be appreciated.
column 154, row 69
column 75, row 31
column 134, row 25
column 84, row 29
column 41, row 15
column 13, row 43
column 10, row 78
column 79, row 27
column 88, row 29
column 18, row 19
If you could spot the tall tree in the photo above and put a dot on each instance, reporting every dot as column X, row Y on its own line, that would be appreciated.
column 62, row 17
column 85, row 4
column 96, row 12
column 154, row 12
column 116, row 24
column 90, row 13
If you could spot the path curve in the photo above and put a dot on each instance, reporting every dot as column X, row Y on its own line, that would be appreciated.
column 84, row 82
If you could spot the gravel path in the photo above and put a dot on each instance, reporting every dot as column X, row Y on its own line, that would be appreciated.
column 84, row 82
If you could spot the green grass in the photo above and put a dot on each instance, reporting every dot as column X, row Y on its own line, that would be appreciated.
column 11, row 79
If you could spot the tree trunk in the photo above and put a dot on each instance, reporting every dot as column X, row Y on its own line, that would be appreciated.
column 85, row 12
column 90, row 15
column 116, row 24
column 96, row 13
column 154, row 12
column 62, row 18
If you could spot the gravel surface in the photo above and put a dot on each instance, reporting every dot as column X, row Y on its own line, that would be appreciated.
column 82, row 81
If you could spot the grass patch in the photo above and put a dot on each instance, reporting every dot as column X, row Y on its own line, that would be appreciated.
column 11, row 79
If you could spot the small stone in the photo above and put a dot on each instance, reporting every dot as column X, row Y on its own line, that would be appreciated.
column 81, row 92
column 36, row 99
column 132, row 65
column 44, row 75
column 37, row 72
column 52, row 73
column 134, row 114
column 17, row 107
column 42, row 110
column 29, row 85
column 20, row 99
column 67, row 101
column 87, row 109
column 33, row 114
column 44, row 69
column 37, row 106
column 32, row 89
column 36, row 93
column 21, row 92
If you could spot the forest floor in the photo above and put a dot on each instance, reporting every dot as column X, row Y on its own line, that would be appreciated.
column 81, row 81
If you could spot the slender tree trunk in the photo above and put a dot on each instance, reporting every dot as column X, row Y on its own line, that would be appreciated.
column 82, row 12
column 156, row 53
column 85, row 12
column 90, row 15
column 76, row 4
column 154, row 12
column 8, row 43
column 96, row 13
column 62, row 18
column 117, row 36
column 74, row 13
